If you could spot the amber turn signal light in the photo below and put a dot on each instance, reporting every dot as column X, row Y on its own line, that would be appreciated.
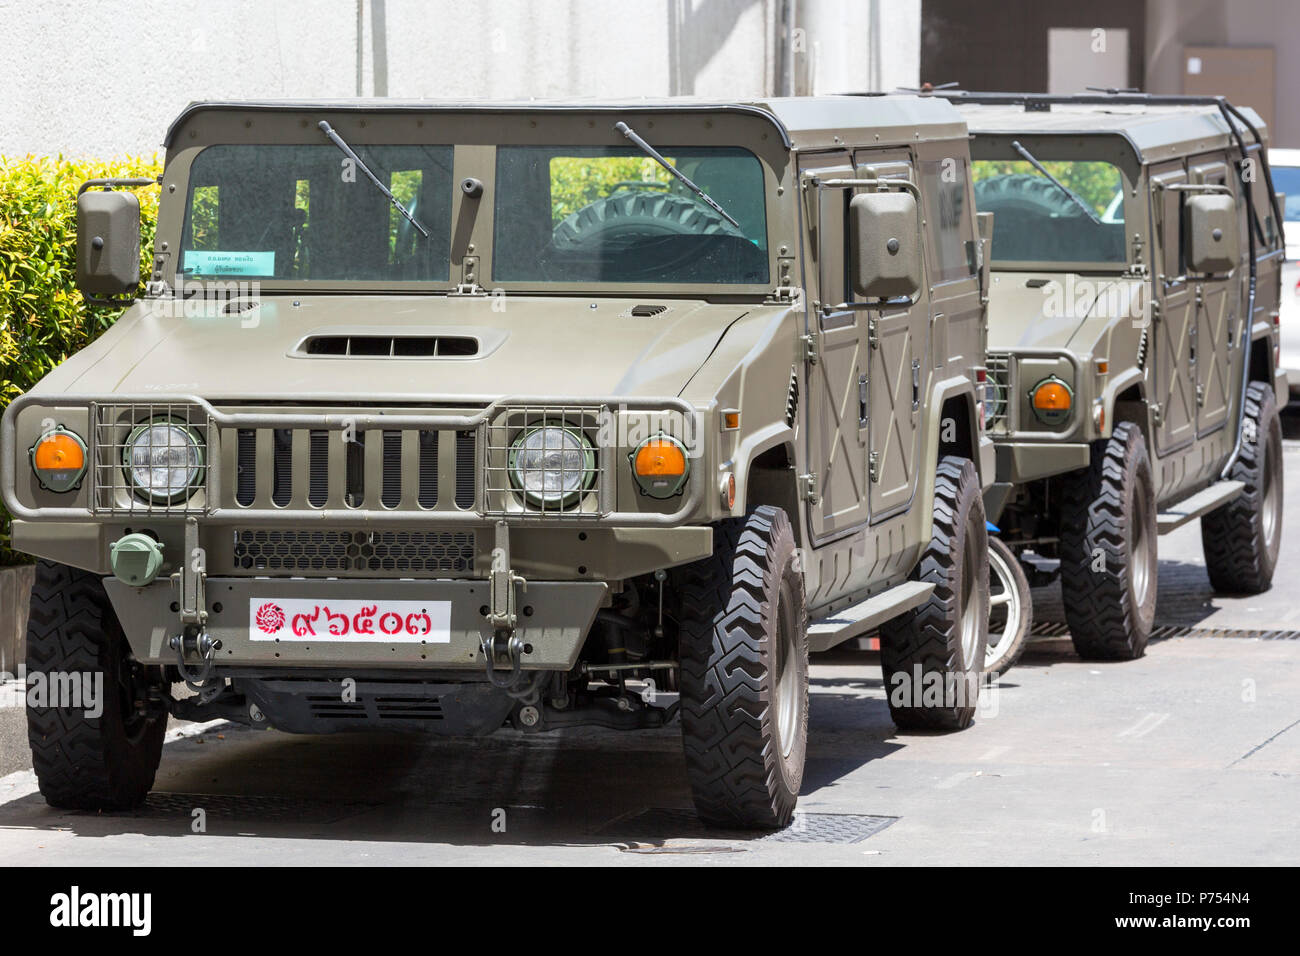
column 660, row 466
column 59, row 459
column 1052, row 396
column 660, row 458
column 1051, row 400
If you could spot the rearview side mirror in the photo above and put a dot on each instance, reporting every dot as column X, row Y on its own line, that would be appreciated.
column 1212, row 243
column 884, row 245
column 108, row 243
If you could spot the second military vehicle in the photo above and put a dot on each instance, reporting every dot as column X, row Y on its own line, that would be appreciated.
column 442, row 417
column 1133, row 341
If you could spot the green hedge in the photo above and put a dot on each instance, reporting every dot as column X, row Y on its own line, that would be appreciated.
column 43, row 318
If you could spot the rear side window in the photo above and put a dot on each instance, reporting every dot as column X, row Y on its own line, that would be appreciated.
column 943, row 183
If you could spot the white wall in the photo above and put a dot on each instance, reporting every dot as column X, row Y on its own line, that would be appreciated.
column 105, row 79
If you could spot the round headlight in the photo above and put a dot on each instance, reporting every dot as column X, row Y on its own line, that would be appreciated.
column 552, row 465
column 163, row 460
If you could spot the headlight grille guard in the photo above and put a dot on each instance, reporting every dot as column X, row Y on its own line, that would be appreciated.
column 112, row 425
column 492, row 427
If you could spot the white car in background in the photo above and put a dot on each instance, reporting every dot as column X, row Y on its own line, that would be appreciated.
column 1285, row 164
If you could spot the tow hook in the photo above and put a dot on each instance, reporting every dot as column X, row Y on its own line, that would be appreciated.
column 196, row 642
column 504, row 649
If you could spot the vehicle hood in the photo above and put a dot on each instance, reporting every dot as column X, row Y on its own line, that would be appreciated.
column 1043, row 310
column 539, row 346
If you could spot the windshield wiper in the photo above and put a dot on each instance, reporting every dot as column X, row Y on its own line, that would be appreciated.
column 650, row 151
column 337, row 140
column 1088, row 211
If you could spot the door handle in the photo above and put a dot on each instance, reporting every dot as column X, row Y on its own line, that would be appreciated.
column 862, row 401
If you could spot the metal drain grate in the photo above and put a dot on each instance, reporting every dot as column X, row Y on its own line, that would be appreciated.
column 666, row 823
column 1058, row 629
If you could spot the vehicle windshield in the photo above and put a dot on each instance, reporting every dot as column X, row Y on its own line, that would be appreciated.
column 1286, row 179
column 1034, row 220
column 579, row 214
column 306, row 212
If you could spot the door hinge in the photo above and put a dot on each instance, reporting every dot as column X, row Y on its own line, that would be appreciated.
column 808, row 489
column 1157, row 414
column 873, row 333
column 783, row 295
column 1200, row 395
column 873, row 466
column 468, row 284
column 808, row 349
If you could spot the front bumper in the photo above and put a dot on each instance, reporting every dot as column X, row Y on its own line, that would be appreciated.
column 554, row 618
column 1022, row 461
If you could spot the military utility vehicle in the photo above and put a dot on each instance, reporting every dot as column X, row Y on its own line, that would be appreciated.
column 1133, row 380
column 450, row 417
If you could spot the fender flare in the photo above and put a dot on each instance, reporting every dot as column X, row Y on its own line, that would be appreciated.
column 941, row 391
column 759, row 441
column 1120, row 383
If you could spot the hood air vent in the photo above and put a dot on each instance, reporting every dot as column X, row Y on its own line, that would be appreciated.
column 389, row 346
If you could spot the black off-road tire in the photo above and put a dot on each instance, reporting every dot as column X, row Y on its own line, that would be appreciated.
column 743, row 642
column 1011, row 612
column 1108, row 550
column 1241, row 539
column 642, row 212
column 89, row 763
column 941, row 644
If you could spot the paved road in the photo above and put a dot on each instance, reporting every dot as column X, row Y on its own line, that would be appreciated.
column 1190, row 755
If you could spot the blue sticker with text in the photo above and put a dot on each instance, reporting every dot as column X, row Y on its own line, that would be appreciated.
column 205, row 263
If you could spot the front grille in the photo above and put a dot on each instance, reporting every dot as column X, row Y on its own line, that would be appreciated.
column 378, row 469
column 114, row 492
column 337, row 552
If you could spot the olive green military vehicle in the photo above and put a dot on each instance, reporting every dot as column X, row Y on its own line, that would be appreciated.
column 1133, row 382
column 451, row 417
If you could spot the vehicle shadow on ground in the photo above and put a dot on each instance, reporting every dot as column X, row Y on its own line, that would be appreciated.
column 1184, row 598
column 590, row 788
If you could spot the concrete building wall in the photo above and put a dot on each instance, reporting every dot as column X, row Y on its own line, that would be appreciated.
column 1173, row 25
column 101, row 79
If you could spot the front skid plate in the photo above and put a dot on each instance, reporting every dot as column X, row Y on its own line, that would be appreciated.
column 554, row 617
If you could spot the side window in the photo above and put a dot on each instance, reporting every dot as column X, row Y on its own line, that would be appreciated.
column 943, row 184
column 1169, row 228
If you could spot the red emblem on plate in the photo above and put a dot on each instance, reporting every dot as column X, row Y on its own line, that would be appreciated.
column 270, row 618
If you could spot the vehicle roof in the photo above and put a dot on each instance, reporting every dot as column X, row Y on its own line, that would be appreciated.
column 805, row 122
column 1155, row 130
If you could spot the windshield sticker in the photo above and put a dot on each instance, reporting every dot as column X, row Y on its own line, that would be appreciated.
column 202, row 262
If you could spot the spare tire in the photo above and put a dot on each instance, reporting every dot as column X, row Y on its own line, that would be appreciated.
column 639, row 213
column 1023, row 191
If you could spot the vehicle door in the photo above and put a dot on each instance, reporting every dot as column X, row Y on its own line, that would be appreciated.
column 1217, row 305
column 1170, row 375
column 836, row 406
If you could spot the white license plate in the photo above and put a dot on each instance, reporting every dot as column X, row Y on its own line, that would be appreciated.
column 326, row 620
